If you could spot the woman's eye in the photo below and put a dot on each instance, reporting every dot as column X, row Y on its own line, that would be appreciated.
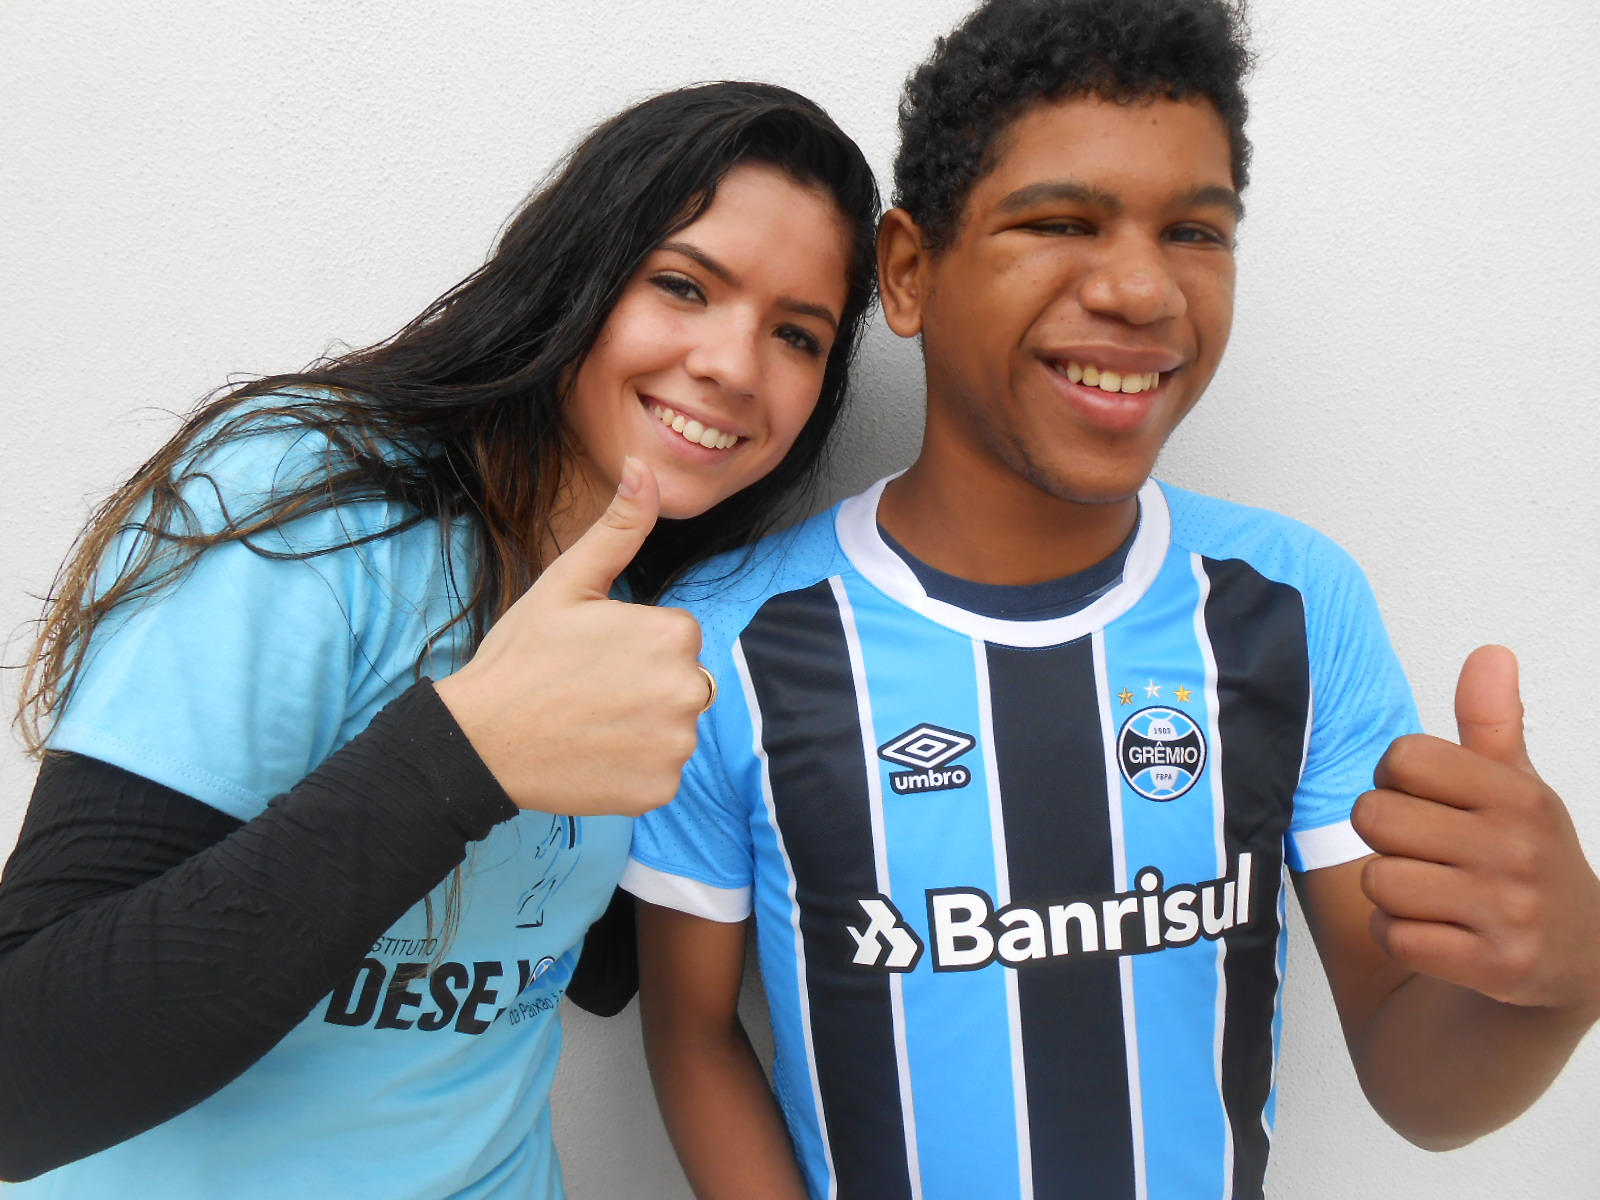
column 680, row 286
column 800, row 340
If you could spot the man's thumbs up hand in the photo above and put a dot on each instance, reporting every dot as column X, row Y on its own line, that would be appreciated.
column 1480, row 879
column 582, row 704
column 1489, row 707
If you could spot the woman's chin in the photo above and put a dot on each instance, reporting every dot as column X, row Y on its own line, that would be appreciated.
column 690, row 489
column 681, row 503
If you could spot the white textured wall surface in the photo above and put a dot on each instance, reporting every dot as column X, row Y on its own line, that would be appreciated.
column 192, row 190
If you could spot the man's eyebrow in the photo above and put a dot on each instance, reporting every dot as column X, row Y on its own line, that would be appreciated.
column 1056, row 190
column 1208, row 195
column 1212, row 195
column 791, row 303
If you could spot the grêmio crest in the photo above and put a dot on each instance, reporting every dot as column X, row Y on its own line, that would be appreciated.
column 1161, row 752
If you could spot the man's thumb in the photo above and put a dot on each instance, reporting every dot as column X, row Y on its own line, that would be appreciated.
column 1489, row 707
column 592, row 563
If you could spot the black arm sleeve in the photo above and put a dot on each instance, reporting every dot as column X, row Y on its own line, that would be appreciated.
column 151, row 948
column 607, row 974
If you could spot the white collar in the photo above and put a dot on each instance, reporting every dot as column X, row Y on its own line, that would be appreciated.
column 857, row 526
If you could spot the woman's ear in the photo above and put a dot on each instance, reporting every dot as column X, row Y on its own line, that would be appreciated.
column 902, row 272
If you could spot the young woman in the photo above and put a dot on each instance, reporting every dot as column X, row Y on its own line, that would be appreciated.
column 288, row 918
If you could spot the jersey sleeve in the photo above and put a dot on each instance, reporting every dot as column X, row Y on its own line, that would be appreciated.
column 695, row 854
column 1360, row 702
column 233, row 682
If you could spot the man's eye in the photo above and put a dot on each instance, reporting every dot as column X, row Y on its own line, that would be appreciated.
column 1059, row 228
column 1195, row 235
column 680, row 286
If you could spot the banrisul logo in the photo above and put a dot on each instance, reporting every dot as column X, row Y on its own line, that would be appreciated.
column 927, row 749
column 1161, row 753
column 884, row 940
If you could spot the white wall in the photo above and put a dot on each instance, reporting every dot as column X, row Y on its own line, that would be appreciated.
column 194, row 189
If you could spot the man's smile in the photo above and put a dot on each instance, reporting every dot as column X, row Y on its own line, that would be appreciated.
column 1106, row 380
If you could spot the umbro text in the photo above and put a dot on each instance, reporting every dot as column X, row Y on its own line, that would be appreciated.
column 929, row 781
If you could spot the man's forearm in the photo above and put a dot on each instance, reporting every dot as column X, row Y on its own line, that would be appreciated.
column 1441, row 1062
column 719, row 1110
column 1444, row 1065
column 722, row 1117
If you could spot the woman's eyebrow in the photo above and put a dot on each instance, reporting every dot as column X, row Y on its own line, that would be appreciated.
column 806, row 309
column 689, row 250
column 789, row 303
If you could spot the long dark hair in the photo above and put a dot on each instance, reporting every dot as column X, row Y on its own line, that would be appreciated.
column 458, row 416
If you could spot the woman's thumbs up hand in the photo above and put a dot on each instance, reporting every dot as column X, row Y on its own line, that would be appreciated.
column 580, row 704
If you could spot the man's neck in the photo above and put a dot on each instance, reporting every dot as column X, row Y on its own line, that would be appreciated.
column 968, row 516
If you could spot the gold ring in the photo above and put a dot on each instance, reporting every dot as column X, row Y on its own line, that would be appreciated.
column 711, row 689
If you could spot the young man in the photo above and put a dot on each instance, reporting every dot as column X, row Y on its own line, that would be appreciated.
column 1013, row 750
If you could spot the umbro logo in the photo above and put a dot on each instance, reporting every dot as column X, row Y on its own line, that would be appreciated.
column 887, row 942
column 927, row 748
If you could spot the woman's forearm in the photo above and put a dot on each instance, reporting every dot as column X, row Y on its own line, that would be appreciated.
column 149, row 954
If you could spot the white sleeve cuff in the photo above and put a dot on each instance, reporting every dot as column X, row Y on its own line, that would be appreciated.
column 1329, row 846
column 727, row 905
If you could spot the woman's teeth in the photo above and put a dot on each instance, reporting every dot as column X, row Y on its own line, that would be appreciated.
column 1109, row 381
column 692, row 431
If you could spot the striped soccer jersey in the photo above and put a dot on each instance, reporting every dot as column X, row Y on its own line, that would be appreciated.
column 1019, row 885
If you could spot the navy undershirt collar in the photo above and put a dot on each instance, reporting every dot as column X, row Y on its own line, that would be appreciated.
column 1019, row 602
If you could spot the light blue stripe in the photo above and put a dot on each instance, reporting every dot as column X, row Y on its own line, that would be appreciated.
column 1175, row 990
column 1277, row 1015
column 957, row 1032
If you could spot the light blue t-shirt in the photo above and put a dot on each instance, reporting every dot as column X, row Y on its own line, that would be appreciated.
column 231, row 687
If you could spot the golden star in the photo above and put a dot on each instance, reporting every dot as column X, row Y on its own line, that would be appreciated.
column 1125, row 696
column 1183, row 694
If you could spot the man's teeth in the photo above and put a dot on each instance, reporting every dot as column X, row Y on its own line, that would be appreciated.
column 692, row 430
column 1110, row 381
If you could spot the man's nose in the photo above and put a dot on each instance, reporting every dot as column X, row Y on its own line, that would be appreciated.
column 1131, row 281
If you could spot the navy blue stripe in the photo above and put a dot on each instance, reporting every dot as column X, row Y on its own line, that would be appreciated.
column 800, row 670
column 1258, row 635
column 1051, row 761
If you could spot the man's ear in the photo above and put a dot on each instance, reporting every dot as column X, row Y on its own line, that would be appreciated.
column 903, row 262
